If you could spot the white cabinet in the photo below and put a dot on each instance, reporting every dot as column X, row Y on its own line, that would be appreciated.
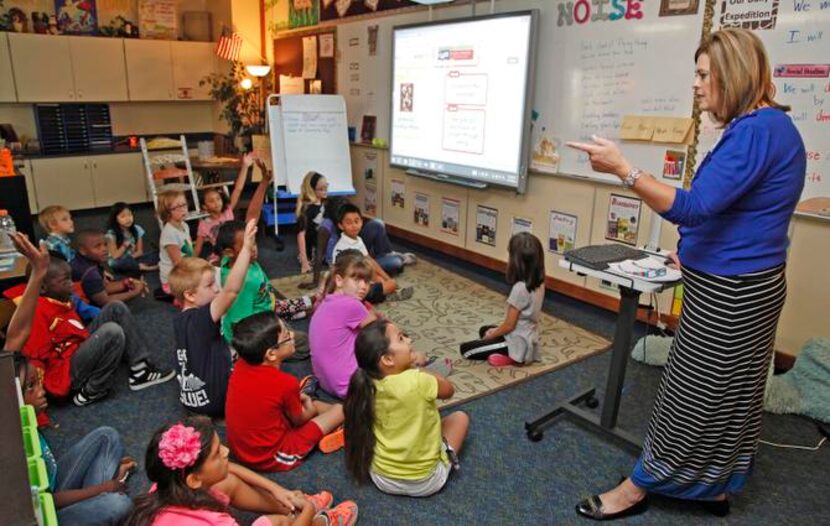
column 118, row 177
column 52, row 68
column 99, row 69
column 7, row 91
column 24, row 167
column 149, row 69
column 42, row 67
column 192, row 62
column 65, row 181
column 92, row 181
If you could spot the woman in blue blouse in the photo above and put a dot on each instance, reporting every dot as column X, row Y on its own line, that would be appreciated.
column 733, row 221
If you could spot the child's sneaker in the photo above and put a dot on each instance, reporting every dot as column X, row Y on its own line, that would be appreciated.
column 344, row 514
column 401, row 295
column 500, row 360
column 333, row 441
column 321, row 501
column 83, row 397
column 149, row 376
column 409, row 258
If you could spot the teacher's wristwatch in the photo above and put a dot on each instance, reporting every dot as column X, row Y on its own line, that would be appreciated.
column 632, row 177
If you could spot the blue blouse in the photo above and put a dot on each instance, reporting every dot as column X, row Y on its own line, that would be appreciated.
column 734, row 218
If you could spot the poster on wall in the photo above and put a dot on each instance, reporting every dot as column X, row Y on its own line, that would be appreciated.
column 76, row 18
column 370, row 165
column 545, row 154
column 562, row 235
column 303, row 13
column 520, row 224
column 157, row 19
column 327, row 45
column 486, row 220
column 337, row 9
column 623, row 219
column 421, row 212
column 117, row 18
column 370, row 199
column 450, row 215
column 310, row 57
column 398, row 191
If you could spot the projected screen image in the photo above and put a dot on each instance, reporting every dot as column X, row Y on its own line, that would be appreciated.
column 459, row 94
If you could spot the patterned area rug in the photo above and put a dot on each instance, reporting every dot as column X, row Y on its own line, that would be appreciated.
column 447, row 309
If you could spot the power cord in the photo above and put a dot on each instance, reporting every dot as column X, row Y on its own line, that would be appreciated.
column 821, row 429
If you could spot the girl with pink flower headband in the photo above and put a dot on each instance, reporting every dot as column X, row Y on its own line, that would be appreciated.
column 195, row 484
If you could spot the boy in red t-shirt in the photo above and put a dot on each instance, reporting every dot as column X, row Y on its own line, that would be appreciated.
column 271, row 426
column 82, row 360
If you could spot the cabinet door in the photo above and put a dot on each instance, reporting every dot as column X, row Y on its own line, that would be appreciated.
column 7, row 91
column 149, row 69
column 192, row 62
column 24, row 168
column 118, row 177
column 42, row 67
column 99, row 69
column 64, row 181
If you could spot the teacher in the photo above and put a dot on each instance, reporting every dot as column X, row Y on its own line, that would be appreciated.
column 706, row 423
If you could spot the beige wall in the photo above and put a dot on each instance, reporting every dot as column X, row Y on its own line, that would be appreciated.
column 808, row 302
column 21, row 117
column 141, row 118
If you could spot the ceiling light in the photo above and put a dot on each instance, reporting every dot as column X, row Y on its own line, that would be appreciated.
column 246, row 83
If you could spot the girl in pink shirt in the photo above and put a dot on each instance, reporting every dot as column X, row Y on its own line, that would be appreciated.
column 194, row 484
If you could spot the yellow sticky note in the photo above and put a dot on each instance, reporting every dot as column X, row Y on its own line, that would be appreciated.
column 673, row 130
column 636, row 128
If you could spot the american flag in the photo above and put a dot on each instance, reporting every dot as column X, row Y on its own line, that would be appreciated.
column 228, row 47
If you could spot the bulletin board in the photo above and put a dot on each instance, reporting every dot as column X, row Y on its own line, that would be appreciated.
column 288, row 60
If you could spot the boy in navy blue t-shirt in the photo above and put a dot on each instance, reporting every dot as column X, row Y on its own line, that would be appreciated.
column 204, row 358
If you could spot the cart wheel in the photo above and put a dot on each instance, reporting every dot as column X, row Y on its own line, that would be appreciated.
column 592, row 402
column 535, row 435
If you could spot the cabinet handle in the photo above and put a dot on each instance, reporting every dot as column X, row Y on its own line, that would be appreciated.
column 86, row 165
column 71, row 94
column 80, row 94
column 94, row 165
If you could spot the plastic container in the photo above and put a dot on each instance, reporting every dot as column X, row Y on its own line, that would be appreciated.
column 38, row 477
column 47, row 509
column 28, row 418
column 6, row 227
column 31, row 442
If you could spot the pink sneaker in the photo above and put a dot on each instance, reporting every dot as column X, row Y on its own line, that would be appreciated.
column 344, row 514
column 321, row 501
column 500, row 360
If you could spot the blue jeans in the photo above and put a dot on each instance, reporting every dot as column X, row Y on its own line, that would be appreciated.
column 392, row 264
column 92, row 460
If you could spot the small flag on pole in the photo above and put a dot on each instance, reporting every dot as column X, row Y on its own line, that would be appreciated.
column 229, row 46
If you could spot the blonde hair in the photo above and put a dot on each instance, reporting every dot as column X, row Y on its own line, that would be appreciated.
column 165, row 201
column 186, row 275
column 739, row 72
column 47, row 216
column 349, row 264
column 307, row 192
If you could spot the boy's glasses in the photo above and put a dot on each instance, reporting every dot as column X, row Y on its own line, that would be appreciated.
column 178, row 207
column 287, row 340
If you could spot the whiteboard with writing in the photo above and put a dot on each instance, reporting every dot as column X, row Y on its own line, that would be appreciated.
column 308, row 132
column 601, row 60
column 796, row 34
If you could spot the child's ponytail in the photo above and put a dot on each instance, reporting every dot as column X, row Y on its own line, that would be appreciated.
column 359, row 408
column 171, row 485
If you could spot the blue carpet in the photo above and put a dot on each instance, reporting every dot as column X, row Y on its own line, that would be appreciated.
column 505, row 478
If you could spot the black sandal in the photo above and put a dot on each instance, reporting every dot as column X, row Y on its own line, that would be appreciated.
column 592, row 509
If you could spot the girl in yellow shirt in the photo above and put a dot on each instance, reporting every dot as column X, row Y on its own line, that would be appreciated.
column 394, row 433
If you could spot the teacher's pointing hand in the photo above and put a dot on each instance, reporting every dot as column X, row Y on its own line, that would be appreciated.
column 605, row 156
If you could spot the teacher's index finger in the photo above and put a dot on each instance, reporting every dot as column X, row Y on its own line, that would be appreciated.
column 585, row 147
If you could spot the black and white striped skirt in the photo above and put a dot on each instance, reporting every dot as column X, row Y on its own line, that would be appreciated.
column 706, row 422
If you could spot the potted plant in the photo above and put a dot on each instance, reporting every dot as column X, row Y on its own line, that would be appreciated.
column 242, row 103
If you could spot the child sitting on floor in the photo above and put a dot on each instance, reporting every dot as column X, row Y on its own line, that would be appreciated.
column 257, row 293
column 220, row 207
column 194, row 484
column 57, row 223
column 349, row 221
column 203, row 356
column 516, row 340
column 174, row 242
column 87, row 481
column 79, row 359
column 271, row 425
column 394, row 433
column 88, row 269
column 125, row 243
